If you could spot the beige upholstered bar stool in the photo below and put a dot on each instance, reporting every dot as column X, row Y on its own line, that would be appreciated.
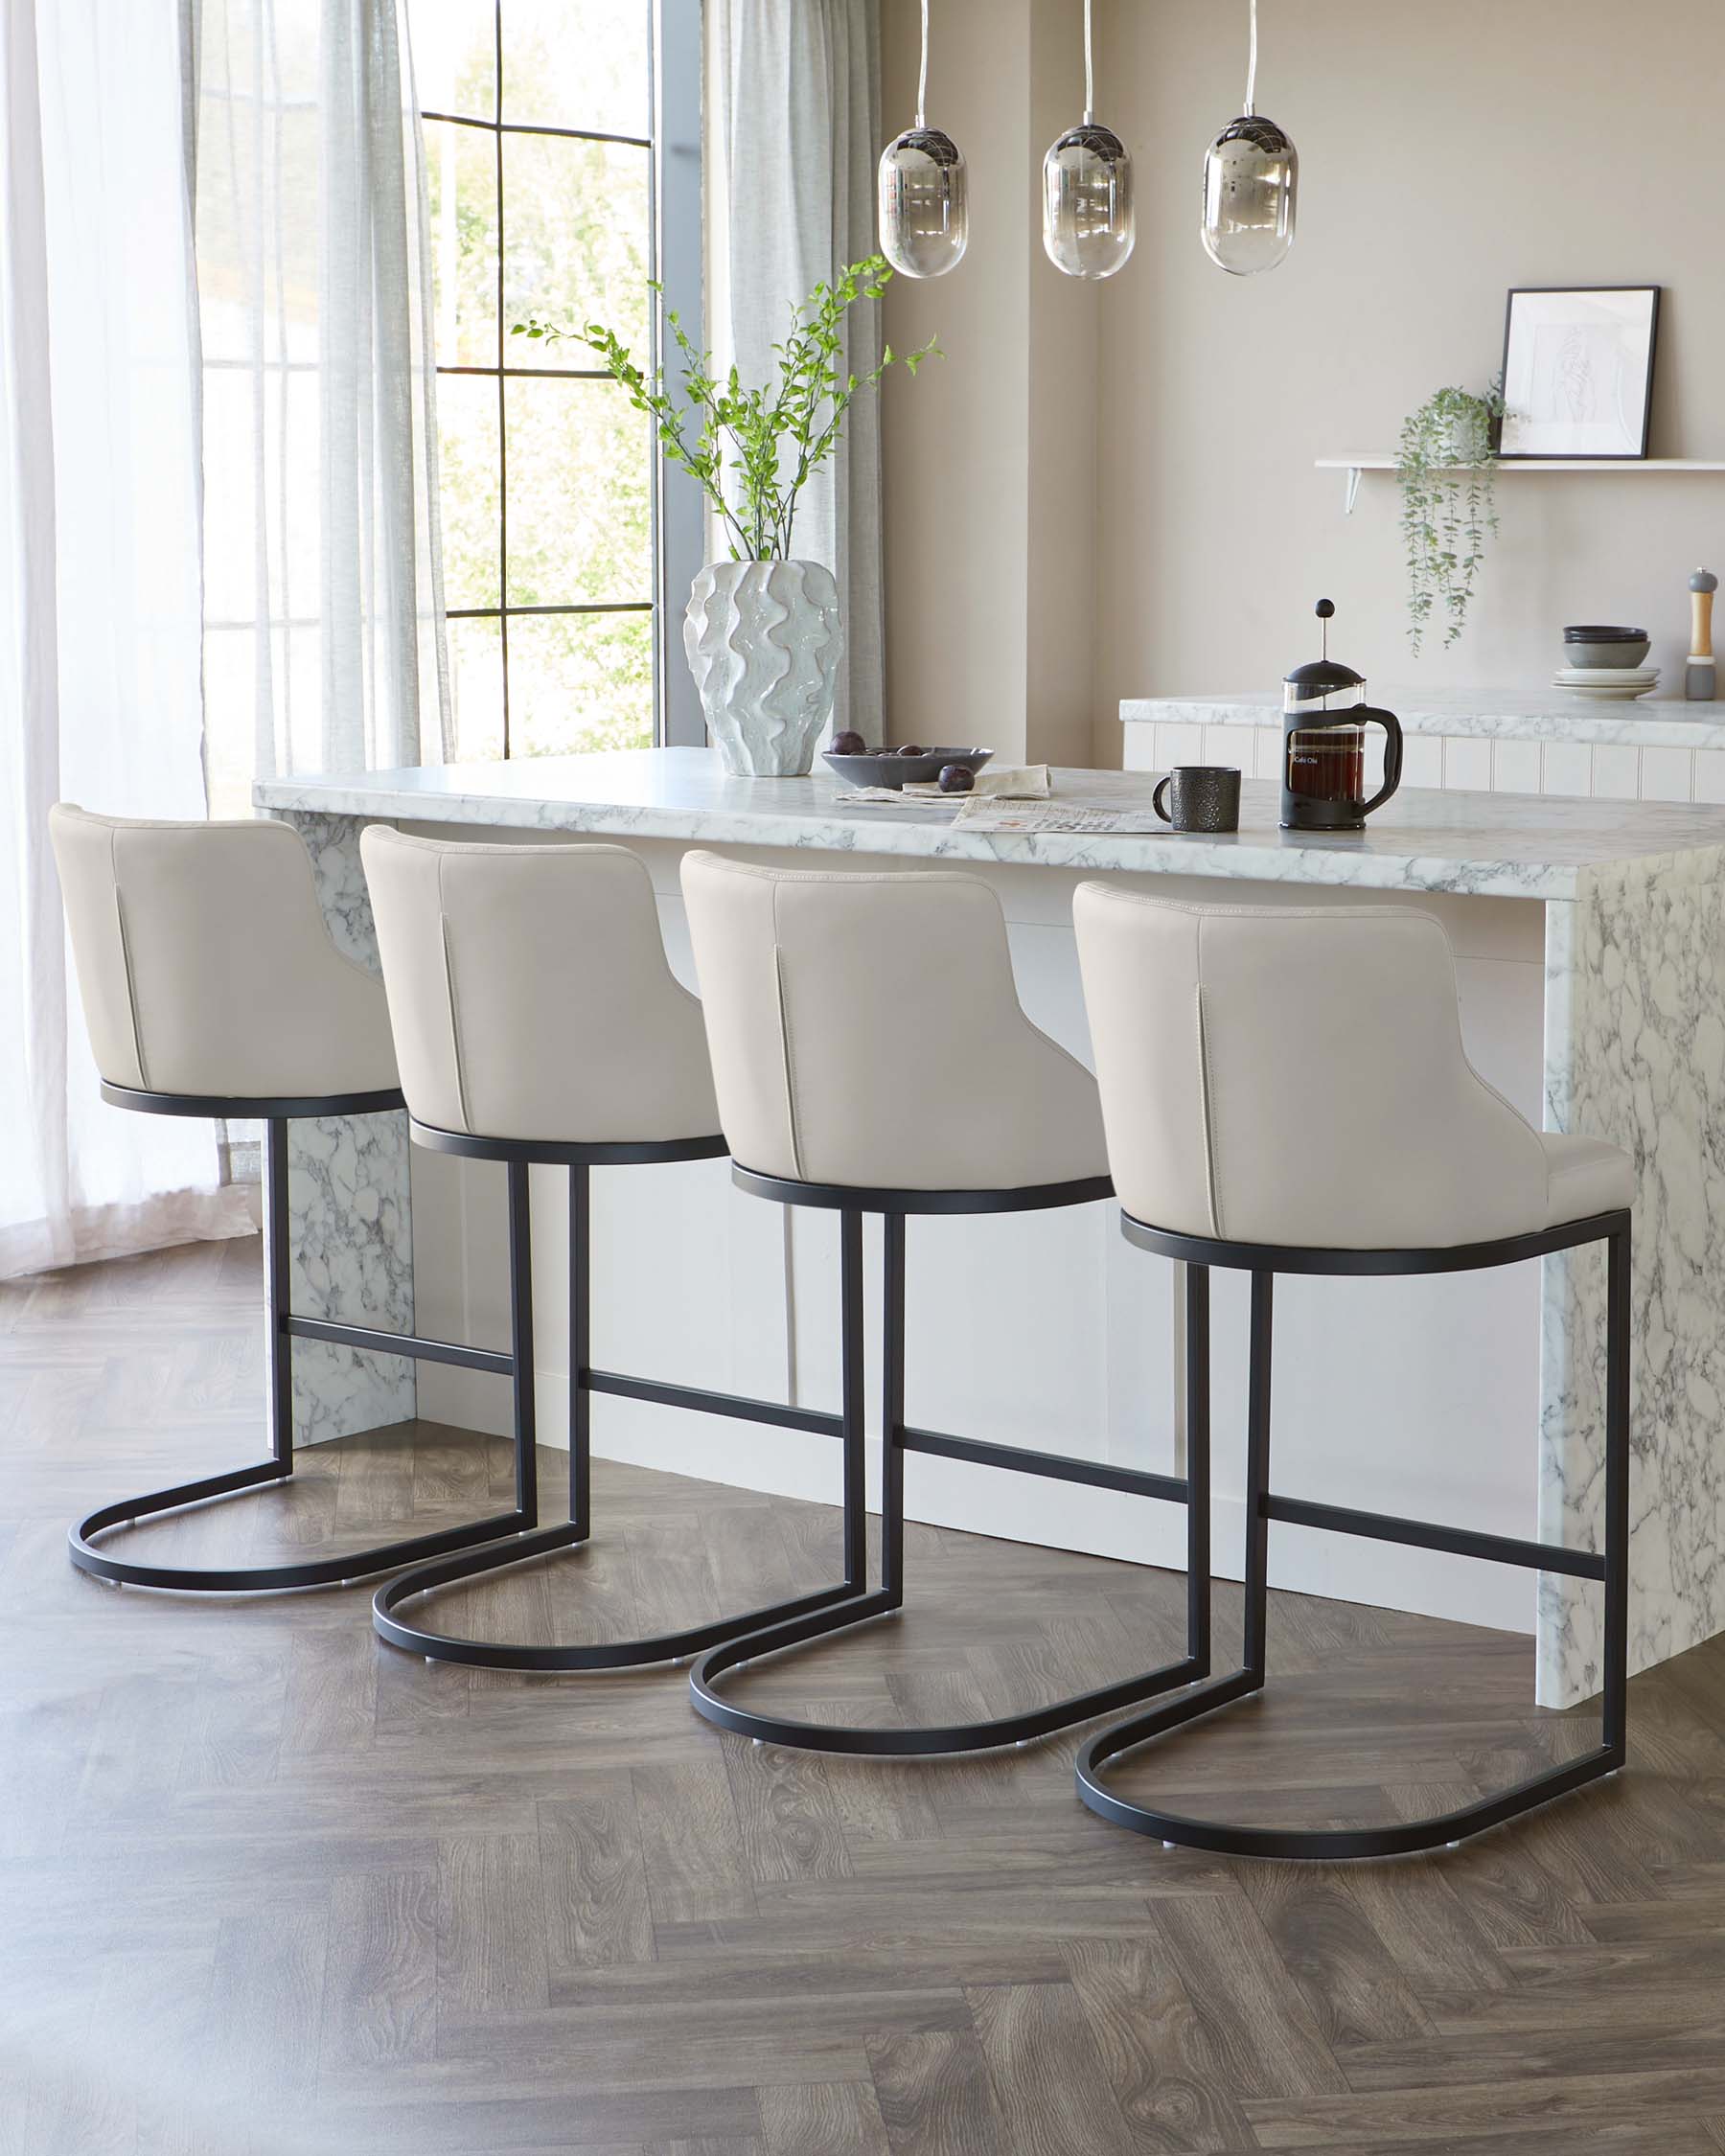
column 831, row 1001
column 536, row 1020
column 1285, row 1090
column 211, row 987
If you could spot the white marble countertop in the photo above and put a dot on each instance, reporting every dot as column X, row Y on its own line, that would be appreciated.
column 1493, row 844
column 1504, row 713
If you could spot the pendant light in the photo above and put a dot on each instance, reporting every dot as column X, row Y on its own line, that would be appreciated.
column 925, row 215
column 1087, row 191
column 1251, row 175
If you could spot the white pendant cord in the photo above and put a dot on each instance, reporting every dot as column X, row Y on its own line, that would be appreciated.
column 1250, row 60
column 1089, row 84
column 922, row 78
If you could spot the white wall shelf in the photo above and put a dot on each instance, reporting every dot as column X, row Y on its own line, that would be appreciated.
column 1355, row 466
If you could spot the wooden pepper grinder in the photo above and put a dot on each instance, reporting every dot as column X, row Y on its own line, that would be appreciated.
column 1699, row 677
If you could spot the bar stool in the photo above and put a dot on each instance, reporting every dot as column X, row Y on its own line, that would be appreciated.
column 211, row 987
column 1285, row 1090
column 870, row 1055
column 536, row 1020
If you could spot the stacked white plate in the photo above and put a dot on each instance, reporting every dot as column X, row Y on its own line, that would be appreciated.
column 1607, row 684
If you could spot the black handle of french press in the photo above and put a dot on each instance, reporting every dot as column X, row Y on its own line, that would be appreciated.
column 1367, row 715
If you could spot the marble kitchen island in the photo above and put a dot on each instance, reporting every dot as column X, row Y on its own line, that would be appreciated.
column 1588, row 937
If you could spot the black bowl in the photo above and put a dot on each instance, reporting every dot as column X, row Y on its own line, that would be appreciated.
column 893, row 771
column 1586, row 633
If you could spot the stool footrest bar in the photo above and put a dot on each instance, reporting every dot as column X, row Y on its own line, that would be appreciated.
column 814, row 1420
column 1055, row 1467
column 1425, row 1534
column 409, row 1345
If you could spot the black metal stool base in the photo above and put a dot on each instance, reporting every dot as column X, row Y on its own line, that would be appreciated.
column 389, row 1604
column 1191, row 1490
column 922, row 1742
column 256, row 1579
column 1406, row 1837
column 285, row 1328
column 555, row 1661
column 1444, row 1829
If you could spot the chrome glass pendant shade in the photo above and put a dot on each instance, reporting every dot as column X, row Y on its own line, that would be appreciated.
column 1088, row 226
column 923, row 192
column 1251, row 180
column 1088, row 223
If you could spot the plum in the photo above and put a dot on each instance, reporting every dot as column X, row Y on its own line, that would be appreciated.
column 956, row 778
column 911, row 749
column 848, row 744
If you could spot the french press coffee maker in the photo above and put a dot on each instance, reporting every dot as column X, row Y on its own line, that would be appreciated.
column 1324, row 718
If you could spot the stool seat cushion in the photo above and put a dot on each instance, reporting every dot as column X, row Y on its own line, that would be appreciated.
column 205, row 965
column 1294, row 1076
column 866, row 1032
column 1585, row 1175
column 531, row 996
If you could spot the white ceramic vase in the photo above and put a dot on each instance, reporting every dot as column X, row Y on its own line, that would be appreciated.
column 764, row 640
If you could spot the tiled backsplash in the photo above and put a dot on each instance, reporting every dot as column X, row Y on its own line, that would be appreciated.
column 1608, row 771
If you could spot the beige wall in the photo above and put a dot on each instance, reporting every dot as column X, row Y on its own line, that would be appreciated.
column 989, row 455
column 1156, row 524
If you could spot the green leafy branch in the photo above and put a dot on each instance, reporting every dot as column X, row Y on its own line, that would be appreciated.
column 1447, row 464
column 752, row 450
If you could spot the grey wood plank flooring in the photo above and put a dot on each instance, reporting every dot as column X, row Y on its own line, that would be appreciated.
column 268, row 1888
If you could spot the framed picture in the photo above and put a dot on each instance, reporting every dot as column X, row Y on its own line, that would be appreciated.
column 1578, row 371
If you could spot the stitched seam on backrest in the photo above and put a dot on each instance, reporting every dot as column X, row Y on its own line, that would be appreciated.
column 448, row 968
column 126, row 963
column 787, row 1053
column 1213, row 1178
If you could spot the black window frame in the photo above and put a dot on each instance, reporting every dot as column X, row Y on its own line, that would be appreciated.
column 677, row 533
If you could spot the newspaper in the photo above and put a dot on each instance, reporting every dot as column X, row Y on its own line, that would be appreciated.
column 1034, row 817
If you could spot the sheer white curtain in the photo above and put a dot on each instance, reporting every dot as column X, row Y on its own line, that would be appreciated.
column 792, row 135
column 325, row 648
column 99, row 590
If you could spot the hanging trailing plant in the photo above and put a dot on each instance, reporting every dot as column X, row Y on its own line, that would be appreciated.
column 1447, row 466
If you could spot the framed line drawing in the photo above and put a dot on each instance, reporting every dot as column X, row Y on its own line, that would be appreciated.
column 1578, row 369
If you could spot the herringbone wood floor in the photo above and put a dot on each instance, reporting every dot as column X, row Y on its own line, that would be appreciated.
column 267, row 1886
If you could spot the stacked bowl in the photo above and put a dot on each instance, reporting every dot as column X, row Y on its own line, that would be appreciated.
column 1604, row 663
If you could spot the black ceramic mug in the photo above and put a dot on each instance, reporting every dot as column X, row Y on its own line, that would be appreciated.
column 1203, row 797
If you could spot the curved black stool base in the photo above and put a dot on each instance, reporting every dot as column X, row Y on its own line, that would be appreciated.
column 1405, row 1838
column 256, row 1579
column 900, row 1743
column 1609, row 1568
column 389, row 1604
column 554, row 1661
column 284, row 1329
column 1191, row 1490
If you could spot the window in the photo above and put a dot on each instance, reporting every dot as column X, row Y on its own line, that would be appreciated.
column 539, row 119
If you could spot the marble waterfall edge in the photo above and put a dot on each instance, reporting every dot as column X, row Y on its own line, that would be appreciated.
column 348, row 1201
column 1634, row 1052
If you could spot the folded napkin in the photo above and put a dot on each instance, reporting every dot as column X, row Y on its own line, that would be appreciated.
column 1029, row 781
column 1026, row 782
